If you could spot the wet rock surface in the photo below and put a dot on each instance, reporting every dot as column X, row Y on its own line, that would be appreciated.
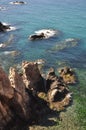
column 3, row 27
column 44, row 34
column 26, row 96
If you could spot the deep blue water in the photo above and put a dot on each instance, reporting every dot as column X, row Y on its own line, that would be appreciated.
column 68, row 16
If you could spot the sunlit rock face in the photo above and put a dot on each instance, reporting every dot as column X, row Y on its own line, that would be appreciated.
column 32, row 77
column 26, row 95
column 57, row 91
column 68, row 75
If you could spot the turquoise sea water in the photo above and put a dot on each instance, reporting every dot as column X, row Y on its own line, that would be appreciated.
column 68, row 16
column 65, row 15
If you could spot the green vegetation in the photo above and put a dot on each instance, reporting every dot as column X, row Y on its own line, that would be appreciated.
column 74, row 117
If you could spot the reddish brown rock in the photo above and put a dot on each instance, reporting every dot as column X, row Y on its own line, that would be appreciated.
column 21, row 99
column 32, row 77
column 57, row 91
column 20, row 105
column 5, row 86
column 6, row 94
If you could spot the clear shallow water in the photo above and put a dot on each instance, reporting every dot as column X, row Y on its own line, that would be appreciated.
column 65, row 15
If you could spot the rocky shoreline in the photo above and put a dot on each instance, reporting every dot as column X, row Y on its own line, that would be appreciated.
column 26, row 95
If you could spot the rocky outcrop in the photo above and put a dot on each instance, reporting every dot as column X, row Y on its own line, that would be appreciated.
column 37, row 36
column 32, row 77
column 44, row 34
column 6, row 94
column 57, row 91
column 21, row 100
column 68, row 75
column 16, row 101
column 3, row 27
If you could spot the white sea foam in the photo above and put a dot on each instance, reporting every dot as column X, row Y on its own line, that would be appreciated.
column 69, row 39
column 17, row 3
column 2, row 8
column 11, row 27
column 47, row 32
column 7, row 52
column 1, row 45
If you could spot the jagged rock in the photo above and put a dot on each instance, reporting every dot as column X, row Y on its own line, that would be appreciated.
column 24, row 98
column 60, row 105
column 21, row 100
column 3, row 27
column 6, row 94
column 57, row 90
column 16, row 101
column 5, row 86
column 51, row 77
column 32, row 77
column 68, row 75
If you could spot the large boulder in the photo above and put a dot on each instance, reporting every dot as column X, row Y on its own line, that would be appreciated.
column 37, row 36
column 32, row 77
column 17, row 103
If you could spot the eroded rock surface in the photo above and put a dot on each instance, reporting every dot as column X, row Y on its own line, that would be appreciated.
column 68, row 75
column 20, row 95
column 32, row 77
column 57, row 91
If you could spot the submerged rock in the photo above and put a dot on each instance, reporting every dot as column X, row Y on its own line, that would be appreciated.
column 8, row 42
column 10, row 53
column 2, row 8
column 68, row 43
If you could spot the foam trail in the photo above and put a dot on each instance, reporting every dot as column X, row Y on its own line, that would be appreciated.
column 11, row 27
